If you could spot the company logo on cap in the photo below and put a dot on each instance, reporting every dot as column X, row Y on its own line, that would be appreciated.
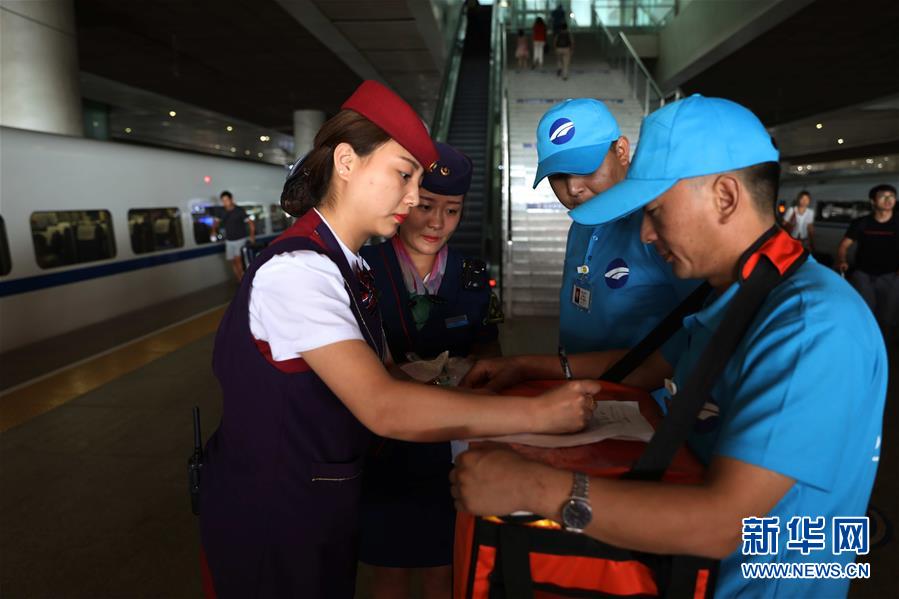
column 561, row 131
column 617, row 273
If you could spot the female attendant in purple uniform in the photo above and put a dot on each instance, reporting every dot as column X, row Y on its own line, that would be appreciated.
column 300, row 356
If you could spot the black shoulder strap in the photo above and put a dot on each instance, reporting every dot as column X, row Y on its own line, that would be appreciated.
column 678, row 424
column 658, row 336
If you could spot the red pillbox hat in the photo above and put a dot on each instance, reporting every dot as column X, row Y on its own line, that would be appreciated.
column 391, row 113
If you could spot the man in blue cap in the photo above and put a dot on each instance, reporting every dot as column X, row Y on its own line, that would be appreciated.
column 615, row 288
column 788, row 445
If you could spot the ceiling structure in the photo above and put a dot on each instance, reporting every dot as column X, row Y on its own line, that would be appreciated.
column 137, row 116
column 255, row 61
column 871, row 129
column 829, row 55
column 833, row 63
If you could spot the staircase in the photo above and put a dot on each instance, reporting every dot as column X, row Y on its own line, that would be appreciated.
column 468, row 129
column 533, row 261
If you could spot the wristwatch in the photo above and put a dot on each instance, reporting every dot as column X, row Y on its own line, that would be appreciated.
column 576, row 512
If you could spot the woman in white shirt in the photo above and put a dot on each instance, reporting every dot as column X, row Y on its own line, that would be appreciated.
column 799, row 220
column 300, row 355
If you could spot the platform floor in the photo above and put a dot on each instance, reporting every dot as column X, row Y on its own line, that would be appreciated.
column 93, row 496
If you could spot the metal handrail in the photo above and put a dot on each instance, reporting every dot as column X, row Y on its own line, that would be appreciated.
column 620, row 50
column 639, row 63
column 440, row 124
column 505, row 294
column 603, row 28
column 496, row 143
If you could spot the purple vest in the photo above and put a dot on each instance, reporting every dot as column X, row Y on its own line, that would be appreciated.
column 281, row 482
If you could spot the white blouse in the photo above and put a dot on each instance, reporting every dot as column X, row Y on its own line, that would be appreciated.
column 299, row 302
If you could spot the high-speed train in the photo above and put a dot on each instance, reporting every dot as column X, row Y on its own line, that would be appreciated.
column 90, row 230
column 837, row 201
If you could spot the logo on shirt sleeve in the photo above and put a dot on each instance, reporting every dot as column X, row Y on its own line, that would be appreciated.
column 708, row 418
column 561, row 131
column 617, row 273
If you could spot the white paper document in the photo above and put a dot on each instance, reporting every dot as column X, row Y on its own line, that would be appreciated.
column 611, row 420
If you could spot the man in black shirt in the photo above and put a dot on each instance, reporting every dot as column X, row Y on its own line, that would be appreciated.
column 876, row 274
column 234, row 220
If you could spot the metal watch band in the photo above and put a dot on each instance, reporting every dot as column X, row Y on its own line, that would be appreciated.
column 581, row 486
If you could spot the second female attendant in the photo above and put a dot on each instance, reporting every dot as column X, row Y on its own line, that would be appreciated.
column 432, row 300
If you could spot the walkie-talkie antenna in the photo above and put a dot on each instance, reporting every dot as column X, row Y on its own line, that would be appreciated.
column 195, row 465
column 198, row 438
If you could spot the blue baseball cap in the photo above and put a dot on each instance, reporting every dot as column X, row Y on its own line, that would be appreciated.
column 573, row 138
column 692, row 137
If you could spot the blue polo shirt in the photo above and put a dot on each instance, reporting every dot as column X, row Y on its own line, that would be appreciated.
column 803, row 395
column 631, row 288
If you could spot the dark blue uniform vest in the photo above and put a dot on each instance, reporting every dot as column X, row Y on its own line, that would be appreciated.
column 282, row 479
column 407, row 512
column 455, row 324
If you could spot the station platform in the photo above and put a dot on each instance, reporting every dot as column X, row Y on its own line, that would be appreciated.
column 94, row 500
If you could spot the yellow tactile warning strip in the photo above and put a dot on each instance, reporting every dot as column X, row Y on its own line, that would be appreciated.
column 33, row 398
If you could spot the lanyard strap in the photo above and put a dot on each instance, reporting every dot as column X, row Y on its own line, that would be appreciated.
column 583, row 269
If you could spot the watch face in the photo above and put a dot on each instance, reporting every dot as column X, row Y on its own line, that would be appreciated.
column 576, row 515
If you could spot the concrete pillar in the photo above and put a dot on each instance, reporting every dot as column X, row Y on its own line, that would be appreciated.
column 306, row 124
column 39, row 66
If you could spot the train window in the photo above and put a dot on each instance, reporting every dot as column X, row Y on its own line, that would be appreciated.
column 155, row 229
column 5, row 260
column 256, row 214
column 841, row 212
column 203, row 218
column 72, row 237
column 280, row 219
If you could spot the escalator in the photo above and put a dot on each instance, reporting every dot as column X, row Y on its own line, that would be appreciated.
column 468, row 129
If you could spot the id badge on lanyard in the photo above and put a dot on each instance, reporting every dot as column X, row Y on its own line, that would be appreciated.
column 582, row 289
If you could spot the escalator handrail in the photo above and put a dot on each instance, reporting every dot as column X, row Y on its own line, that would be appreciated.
column 440, row 124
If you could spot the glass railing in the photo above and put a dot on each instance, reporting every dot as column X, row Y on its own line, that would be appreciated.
column 440, row 124
column 618, row 51
column 583, row 14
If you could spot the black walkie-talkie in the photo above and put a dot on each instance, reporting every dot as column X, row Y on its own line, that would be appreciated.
column 194, row 465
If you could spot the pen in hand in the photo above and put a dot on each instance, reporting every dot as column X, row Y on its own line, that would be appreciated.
column 566, row 367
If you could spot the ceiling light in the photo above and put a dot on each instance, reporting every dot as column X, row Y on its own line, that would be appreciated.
column 229, row 128
column 233, row 149
column 172, row 113
column 246, row 152
column 799, row 169
column 218, row 147
column 259, row 154
column 879, row 165
column 264, row 138
column 840, row 141
column 819, row 126
column 127, row 129
column 869, row 160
